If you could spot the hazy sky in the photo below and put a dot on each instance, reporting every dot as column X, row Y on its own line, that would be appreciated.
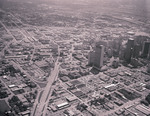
column 141, row 7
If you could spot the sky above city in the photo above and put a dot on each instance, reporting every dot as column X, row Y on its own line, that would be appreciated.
column 137, row 7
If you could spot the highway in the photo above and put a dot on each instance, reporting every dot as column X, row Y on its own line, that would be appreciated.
column 39, row 108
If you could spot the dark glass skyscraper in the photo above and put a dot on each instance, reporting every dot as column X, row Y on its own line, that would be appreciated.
column 129, row 50
column 99, row 56
column 145, row 49
column 136, row 51
column 96, row 57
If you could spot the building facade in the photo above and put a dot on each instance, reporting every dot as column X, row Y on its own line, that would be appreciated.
column 96, row 57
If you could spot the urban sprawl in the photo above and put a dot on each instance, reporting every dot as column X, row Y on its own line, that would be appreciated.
column 60, row 62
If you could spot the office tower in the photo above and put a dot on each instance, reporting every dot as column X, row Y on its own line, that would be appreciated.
column 99, row 56
column 136, row 51
column 115, row 63
column 135, row 62
column 141, row 39
column 116, row 44
column 122, row 52
column 91, row 57
column 109, row 53
column 145, row 49
column 96, row 57
column 129, row 50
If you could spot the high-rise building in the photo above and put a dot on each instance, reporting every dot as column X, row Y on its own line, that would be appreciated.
column 109, row 53
column 145, row 49
column 115, row 63
column 99, row 56
column 91, row 57
column 140, row 40
column 129, row 50
column 136, row 51
column 96, row 57
column 122, row 52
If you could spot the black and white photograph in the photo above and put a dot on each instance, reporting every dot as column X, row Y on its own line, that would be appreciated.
column 74, row 57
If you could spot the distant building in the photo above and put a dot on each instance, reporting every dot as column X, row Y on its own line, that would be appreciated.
column 136, row 51
column 109, row 53
column 140, row 40
column 143, row 109
column 145, row 49
column 122, row 53
column 135, row 62
column 61, row 104
column 116, row 46
column 115, row 63
column 129, row 50
column 131, row 33
column 22, row 98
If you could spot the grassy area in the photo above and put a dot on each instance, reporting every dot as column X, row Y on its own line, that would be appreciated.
column 3, row 106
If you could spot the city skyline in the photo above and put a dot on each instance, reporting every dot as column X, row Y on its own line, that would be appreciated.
column 75, row 58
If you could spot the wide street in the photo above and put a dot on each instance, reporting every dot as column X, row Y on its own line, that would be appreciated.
column 40, row 107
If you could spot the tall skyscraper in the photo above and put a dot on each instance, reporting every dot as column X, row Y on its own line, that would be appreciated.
column 136, row 51
column 145, row 49
column 96, row 57
column 122, row 52
column 140, row 40
column 91, row 57
column 109, row 53
column 99, row 56
column 129, row 50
